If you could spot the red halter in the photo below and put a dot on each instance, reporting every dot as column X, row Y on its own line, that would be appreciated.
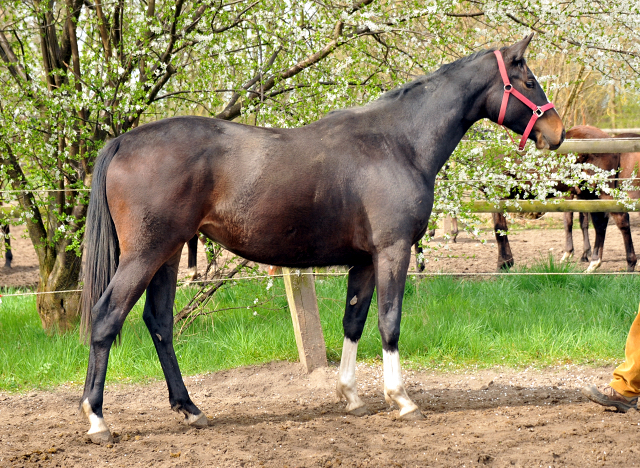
column 508, row 90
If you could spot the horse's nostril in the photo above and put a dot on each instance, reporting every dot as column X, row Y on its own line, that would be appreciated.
column 563, row 134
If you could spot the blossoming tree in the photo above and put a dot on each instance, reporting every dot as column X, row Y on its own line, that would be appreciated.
column 74, row 73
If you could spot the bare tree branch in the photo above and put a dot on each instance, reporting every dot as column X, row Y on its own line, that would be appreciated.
column 201, row 298
column 102, row 27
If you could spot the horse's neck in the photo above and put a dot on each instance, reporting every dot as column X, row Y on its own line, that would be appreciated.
column 437, row 122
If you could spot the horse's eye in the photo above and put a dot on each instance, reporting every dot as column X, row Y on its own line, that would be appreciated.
column 530, row 84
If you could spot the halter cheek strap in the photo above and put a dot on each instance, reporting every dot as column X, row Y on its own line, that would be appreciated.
column 509, row 90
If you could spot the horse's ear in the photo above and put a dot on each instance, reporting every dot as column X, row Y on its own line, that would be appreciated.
column 515, row 53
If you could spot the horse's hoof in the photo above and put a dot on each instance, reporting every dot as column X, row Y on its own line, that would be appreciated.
column 100, row 438
column 198, row 420
column 414, row 415
column 359, row 412
column 593, row 266
column 566, row 256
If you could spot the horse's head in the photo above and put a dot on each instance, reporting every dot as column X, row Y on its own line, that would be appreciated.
column 517, row 101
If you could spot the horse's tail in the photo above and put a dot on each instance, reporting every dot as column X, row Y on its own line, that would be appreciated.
column 101, row 247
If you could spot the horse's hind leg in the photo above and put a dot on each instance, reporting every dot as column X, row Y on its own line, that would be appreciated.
column 158, row 316
column 8, row 256
column 622, row 221
column 359, row 294
column 107, row 317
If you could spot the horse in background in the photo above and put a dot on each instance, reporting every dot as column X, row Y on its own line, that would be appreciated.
column 450, row 228
column 192, row 258
column 606, row 161
column 4, row 228
column 8, row 254
column 628, row 166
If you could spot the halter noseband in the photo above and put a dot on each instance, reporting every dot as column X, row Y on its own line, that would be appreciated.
column 509, row 90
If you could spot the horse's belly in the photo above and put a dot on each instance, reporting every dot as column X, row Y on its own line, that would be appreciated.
column 294, row 246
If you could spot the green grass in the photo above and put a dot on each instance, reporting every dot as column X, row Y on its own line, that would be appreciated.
column 448, row 323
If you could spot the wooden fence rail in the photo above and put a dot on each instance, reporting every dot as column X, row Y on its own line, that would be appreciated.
column 603, row 145
column 555, row 206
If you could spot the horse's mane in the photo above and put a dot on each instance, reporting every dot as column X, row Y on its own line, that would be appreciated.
column 418, row 82
column 444, row 69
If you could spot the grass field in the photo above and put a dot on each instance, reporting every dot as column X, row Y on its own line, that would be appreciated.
column 447, row 323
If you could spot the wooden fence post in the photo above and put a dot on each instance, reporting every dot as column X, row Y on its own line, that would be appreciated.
column 447, row 225
column 303, row 304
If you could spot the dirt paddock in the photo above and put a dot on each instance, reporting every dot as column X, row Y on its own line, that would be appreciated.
column 277, row 416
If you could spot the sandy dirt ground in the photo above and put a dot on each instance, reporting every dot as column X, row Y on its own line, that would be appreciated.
column 277, row 416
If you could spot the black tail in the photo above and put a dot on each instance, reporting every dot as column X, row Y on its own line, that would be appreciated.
column 101, row 247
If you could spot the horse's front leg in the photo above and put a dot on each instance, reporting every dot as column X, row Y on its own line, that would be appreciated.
column 567, row 219
column 584, row 227
column 505, row 257
column 600, row 221
column 391, row 273
column 359, row 294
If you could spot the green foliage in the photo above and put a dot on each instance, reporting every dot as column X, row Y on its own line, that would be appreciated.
column 447, row 323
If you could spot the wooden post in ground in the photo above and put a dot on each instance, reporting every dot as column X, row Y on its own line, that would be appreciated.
column 447, row 225
column 303, row 304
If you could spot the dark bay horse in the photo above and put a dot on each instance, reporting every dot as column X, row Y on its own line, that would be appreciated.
column 5, row 229
column 625, row 163
column 354, row 188
column 8, row 254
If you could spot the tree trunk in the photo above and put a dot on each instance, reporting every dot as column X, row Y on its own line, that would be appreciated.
column 59, row 311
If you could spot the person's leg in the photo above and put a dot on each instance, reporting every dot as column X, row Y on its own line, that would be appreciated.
column 626, row 377
column 623, row 391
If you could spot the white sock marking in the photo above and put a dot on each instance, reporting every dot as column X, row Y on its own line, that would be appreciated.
column 566, row 256
column 97, row 423
column 346, row 386
column 394, row 391
column 593, row 266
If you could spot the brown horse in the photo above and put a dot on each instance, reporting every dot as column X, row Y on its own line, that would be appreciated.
column 354, row 188
column 624, row 163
